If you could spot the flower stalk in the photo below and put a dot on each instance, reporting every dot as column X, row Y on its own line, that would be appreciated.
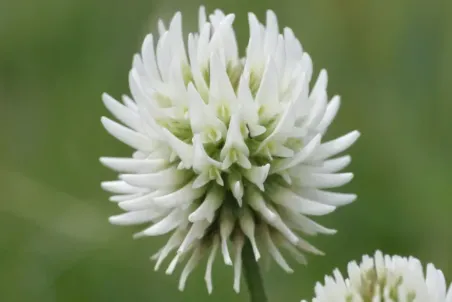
column 252, row 274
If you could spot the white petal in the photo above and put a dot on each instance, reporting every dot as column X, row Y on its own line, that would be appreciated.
column 235, row 144
column 301, row 156
column 142, row 202
column 136, row 217
column 290, row 200
column 197, row 231
column 226, row 226
column 174, row 241
column 168, row 178
column 323, row 180
column 127, row 136
column 131, row 165
column 236, row 186
column 275, row 253
column 238, row 243
column 257, row 202
column 336, row 146
column 121, row 112
column 124, row 197
column 247, row 225
column 333, row 165
column 183, row 150
column 210, row 260
column 121, row 187
column 304, row 224
column 201, row 160
column 201, row 17
column 257, row 175
column 148, row 55
column 166, row 225
column 220, row 86
column 184, row 196
column 267, row 95
column 213, row 200
column 331, row 198
column 306, row 246
column 330, row 113
column 191, row 264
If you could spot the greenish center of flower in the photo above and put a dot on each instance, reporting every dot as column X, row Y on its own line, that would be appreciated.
column 373, row 284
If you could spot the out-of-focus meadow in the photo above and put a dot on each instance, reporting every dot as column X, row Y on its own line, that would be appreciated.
column 389, row 60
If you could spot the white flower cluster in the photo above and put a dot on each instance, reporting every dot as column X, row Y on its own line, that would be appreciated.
column 228, row 149
column 385, row 279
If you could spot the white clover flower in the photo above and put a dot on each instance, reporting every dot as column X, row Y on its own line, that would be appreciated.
column 385, row 279
column 228, row 149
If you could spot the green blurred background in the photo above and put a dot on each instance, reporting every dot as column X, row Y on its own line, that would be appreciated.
column 389, row 60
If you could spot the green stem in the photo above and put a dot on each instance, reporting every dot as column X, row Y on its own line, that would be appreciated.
column 252, row 275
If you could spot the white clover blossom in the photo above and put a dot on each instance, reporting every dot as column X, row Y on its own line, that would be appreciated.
column 228, row 149
column 384, row 278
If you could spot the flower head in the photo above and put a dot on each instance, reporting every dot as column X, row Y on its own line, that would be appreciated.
column 228, row 149
column 385, row 278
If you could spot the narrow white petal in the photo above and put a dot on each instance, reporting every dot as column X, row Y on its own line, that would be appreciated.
column 323, row 180
column 290, row 200
column 131, row 165
column 304, row 224
column 235, row 143
column 294, row 252
column 320, row 84
column 331, row 148
column 173, row 264
column 300, row 157
column 191, row 264
column 275, row 253
column 129, row 103
column 267, row 96
column 168, row 178
column 174, row 241
column 183, row 150
column 142, row 202
column 282, row 227
column 202, row 19
column 236, row 186
column 238, row 243
column 124, row 197
column 330, row 113
column 127, row 136
column 164, row 226
column 121, row 112
column 220, row 85
column 271, row 33
column 121, row 187
column 226, row 226
column 329, row 198
column 136, row 217
column 333, row 165
column 197, row 231
column 210, row 260
column 213, row 200
column 306, row 246
column 148, row 54
column 247, row 225
column 201, row 160
column 257, row 175
column 184, row 196
column 257, row 202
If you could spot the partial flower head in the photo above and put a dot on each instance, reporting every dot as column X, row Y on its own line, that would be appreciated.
column 228, row 148
column 385, row 278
